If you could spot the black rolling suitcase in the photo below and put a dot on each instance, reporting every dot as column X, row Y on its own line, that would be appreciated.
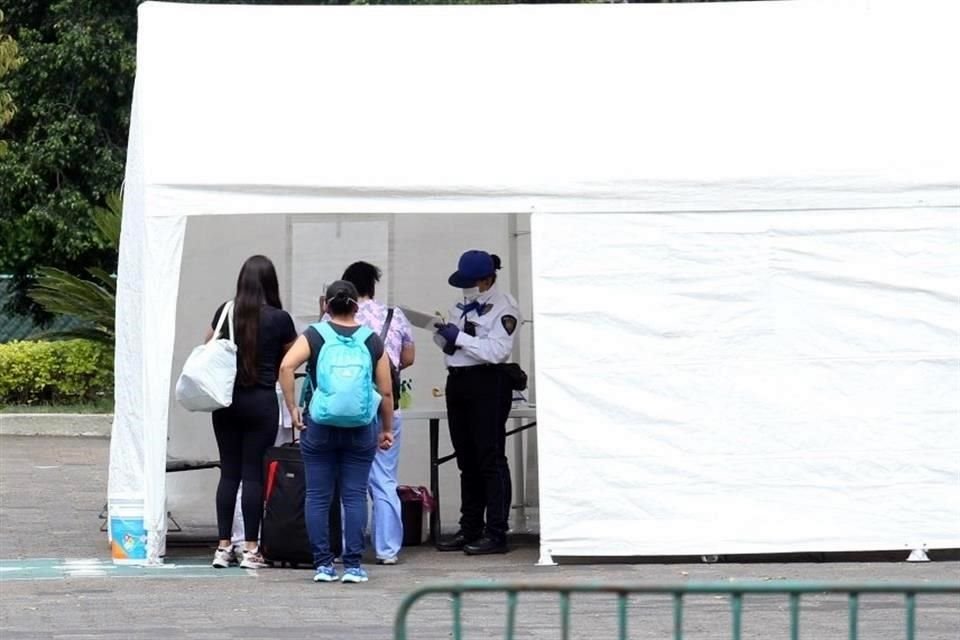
column 283, row 532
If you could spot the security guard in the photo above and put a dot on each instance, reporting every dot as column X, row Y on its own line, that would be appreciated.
column 477, row 339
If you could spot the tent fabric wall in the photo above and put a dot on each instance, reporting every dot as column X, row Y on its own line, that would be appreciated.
column 756, row 381
column 683, row 109
column 150, row 250
column 164, row 246
column 126, row 477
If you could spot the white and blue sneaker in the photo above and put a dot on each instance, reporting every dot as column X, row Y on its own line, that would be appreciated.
column 325, row 574
column 354, row 575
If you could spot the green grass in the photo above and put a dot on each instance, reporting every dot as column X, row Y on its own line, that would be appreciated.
column 100, row 406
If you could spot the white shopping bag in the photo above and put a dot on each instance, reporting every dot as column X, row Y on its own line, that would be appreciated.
column 206, row 383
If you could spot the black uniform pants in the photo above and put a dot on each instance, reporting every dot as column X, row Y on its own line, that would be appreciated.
column 478, row 405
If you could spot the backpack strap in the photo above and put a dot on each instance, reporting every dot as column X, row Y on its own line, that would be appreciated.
column 362, row 333
column 321, row 328
column 329, row 334
column 326, row 332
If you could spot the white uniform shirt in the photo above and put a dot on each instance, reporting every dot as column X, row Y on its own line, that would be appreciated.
column 497, row 321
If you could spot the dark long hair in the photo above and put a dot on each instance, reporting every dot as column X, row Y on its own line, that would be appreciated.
column 256, row 286
column 364, row 276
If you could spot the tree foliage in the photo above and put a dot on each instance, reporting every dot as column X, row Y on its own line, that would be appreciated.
column 9, row 61
column 92, row 301
column 67, row 140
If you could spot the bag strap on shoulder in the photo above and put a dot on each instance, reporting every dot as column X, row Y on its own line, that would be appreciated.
column 225, row 314
column 386, row 325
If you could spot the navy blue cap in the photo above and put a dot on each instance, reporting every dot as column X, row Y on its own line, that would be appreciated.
column 474, row 265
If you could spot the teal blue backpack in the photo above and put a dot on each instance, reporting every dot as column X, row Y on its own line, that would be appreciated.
column 342, row 392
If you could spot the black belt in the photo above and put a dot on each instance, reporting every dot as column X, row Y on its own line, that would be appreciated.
column 474, row 368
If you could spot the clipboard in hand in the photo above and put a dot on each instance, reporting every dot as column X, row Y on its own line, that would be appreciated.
column 419, row 319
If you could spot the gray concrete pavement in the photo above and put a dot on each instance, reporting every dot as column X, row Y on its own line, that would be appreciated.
column 56, row 424
column 51, row 490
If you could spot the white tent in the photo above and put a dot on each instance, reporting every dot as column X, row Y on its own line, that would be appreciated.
column 745, row 241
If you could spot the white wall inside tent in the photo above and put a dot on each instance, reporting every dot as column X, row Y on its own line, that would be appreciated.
column 744, row 238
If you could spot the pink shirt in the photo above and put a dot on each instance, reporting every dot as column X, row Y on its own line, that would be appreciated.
column 373, row 314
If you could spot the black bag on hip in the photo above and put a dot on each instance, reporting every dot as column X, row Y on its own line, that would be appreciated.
column 516, row 375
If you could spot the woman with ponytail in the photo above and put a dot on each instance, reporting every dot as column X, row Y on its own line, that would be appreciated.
column 248, row 427
column 337, row 453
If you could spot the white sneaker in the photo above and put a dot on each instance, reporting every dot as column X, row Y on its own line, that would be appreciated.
column 224, row 558
column 387, row 561
column 253, row 560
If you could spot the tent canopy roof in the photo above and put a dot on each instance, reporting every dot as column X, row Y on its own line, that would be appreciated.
column 562, row 108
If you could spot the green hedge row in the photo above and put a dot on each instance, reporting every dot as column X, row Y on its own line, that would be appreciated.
column 59, row 372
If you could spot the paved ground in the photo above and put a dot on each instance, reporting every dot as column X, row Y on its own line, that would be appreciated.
column 51, row 490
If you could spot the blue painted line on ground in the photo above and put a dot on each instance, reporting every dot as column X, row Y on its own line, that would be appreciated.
column 91, row 568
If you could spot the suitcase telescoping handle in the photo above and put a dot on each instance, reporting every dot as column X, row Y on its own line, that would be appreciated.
column 293, row 430
column 303, row 409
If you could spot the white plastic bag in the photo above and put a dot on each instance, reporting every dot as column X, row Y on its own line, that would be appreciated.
column 206, row 383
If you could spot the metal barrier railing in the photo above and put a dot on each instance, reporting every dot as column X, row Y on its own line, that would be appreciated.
column 736, row 591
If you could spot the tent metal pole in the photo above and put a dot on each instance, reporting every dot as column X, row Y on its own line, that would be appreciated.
column 532, row 489
column 519, row 464
column 391, row 259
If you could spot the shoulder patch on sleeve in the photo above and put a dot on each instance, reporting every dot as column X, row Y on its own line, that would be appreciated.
column 509, row 324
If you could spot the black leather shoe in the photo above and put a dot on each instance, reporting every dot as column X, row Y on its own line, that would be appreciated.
column 457, row 542
column 484, row 546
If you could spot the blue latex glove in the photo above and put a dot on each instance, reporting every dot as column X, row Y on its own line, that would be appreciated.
column 449, row 332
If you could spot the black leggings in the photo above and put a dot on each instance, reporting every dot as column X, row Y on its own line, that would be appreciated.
column 244, row 431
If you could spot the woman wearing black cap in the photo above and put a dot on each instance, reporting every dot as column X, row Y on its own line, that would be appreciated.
column 335, row 452
column 476, row 340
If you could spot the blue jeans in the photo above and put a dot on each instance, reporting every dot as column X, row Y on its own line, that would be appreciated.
column 337, row 456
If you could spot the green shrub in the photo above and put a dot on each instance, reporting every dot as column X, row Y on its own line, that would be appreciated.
column 59, row 372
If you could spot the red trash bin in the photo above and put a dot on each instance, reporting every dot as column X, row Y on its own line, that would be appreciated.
column 415, row 502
